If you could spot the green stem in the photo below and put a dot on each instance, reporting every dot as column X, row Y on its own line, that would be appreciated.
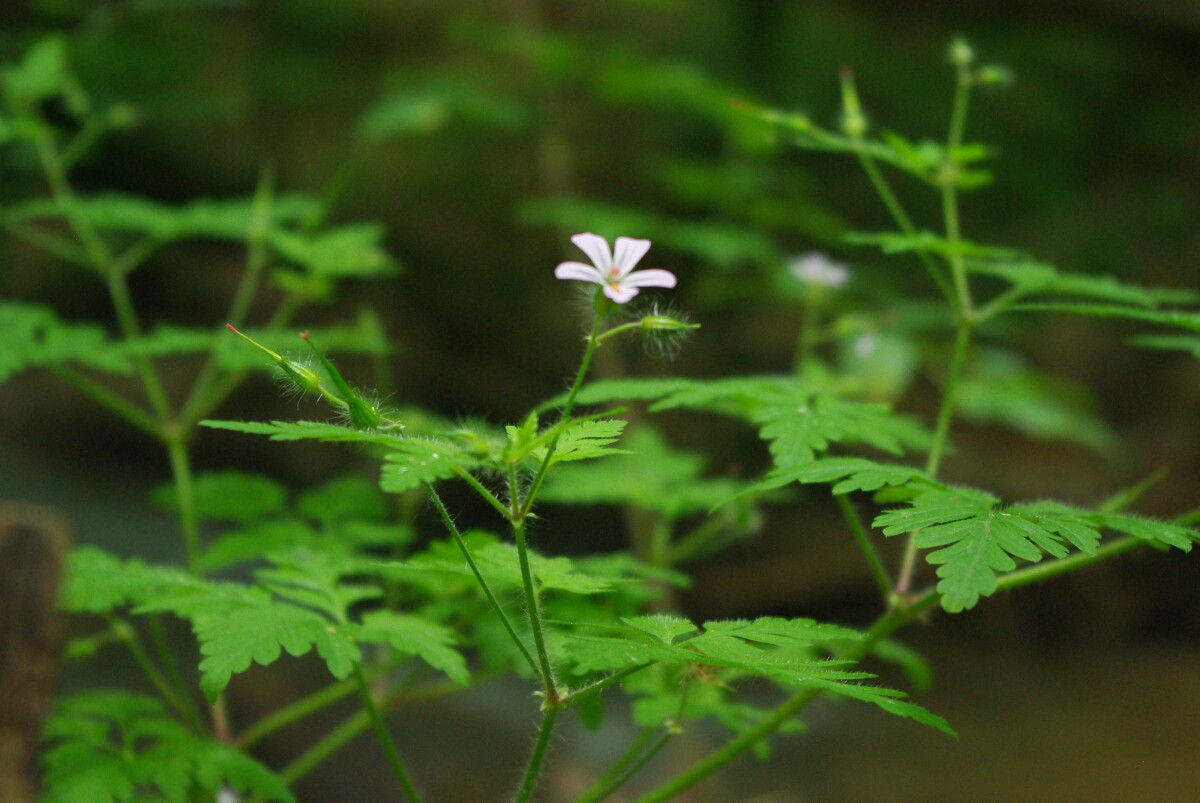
column 385, row 738
column 352, row 726
column 535, row 616
column 1044, row 571
column 863, row 538
column 113, row 402
column 534, row 768
column 483, row 584
column 592, row 688
column 962, row 339
column 185, row 490
column 171, row 666
column 536, row 485
column 487, row 495
column 61, row 247
column 614, row 776
column 243, row 296
column 128, row 636
column 884, row 190
column 281, row 718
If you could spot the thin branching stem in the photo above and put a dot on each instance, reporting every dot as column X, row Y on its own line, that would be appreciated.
column 182, row 705
column 385, row 737
column 863, row 538
column 610, row 780
column 113, row 402
column 536, row 485
column 483, row 584
column 318, row 752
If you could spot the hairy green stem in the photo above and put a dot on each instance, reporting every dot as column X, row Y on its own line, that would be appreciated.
column 533, row 608
column 483, row 584
column 385, row 738
column 536, row 485
column 487, row 495
column 592, row 688
column 534, row 767
column 863, row 538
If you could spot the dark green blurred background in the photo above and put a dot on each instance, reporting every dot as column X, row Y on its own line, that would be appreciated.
column 482, row 134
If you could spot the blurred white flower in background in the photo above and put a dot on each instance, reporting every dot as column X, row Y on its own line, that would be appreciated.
column 815, row 268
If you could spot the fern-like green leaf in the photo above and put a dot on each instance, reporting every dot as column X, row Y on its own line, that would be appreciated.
column 33, row 336
column 417, row 460
column 114, row 747
column 1038, row 278
column 975, row 539
column 310, row 430
column 411, row 635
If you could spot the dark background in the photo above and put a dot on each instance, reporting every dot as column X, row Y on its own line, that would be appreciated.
column 1085, row 688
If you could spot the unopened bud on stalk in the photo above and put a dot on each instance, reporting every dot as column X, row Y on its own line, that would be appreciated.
column 854, row 122
column 362, row 414
column 304, row 378
column 961, row 53
column 665, row 323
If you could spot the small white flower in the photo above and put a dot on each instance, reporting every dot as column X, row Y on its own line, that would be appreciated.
column 818, row 269
column 227, row 795
column 614, row 273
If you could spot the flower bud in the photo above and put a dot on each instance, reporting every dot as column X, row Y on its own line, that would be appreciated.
column 665, row 323
column 961, row 53
column 854, row 122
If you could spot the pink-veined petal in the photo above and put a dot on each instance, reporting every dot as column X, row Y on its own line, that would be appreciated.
column 652, row 277
column 596, row 247
column 619, row 293
column 629, row 252
column 578, row 271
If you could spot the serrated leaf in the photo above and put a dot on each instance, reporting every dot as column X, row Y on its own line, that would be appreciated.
column 585, row 440
column 847, row 474
column 500, row 563
column 258, row 634
column 97, row 581
column 1039, row 278
column 412, row 635
column 1188, row 343
column 661, row 627
column 1184, row 319
column 223, row 219
column 309, row 430
column 33, row 335
column 252, row 543
column 975, row 539
column 351, row 250
column 417, row 460
column 115, row 746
